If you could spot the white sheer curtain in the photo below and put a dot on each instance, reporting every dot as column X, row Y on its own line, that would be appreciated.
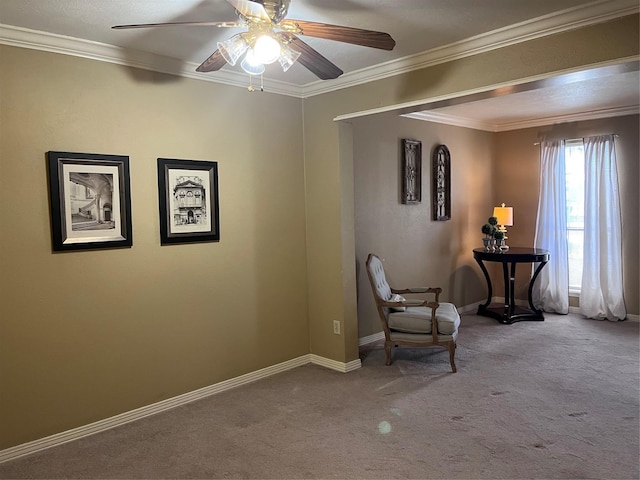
column 551, row 290
column 602, row 290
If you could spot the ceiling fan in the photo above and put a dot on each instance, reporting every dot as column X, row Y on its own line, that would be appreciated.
column 271, row 37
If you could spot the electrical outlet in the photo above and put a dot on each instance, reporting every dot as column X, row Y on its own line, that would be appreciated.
column 336, row 327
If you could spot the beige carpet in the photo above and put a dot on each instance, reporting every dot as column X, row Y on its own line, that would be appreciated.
column 553, row 399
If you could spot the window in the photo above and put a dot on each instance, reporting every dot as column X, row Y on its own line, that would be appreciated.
column 574, row 175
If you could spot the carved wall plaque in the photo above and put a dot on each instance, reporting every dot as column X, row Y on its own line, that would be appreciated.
column 411, row 171
column 441, row 179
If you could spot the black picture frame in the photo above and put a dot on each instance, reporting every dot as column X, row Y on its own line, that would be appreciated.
column 441, row 182
column 188, row 201
column 411, row 171
column 90, row 201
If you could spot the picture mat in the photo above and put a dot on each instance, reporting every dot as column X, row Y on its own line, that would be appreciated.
column 173, row 179
column 81, row 236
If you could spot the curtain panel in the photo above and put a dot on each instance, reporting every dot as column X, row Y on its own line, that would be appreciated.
column 602, row 289
column 551, row 290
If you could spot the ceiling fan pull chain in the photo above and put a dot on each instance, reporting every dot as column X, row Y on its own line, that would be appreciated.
column 251, row 88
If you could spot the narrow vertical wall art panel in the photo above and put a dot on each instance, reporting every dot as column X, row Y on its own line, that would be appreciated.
column 441, row 179
column 411, row 171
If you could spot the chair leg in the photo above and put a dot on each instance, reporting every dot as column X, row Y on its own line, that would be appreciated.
column 452, row 353
column 387, row 349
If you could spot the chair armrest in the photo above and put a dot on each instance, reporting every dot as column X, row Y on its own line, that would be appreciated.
column 411, row 303
column 435, row 290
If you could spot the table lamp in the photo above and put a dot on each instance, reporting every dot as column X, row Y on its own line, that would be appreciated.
column 505, row 218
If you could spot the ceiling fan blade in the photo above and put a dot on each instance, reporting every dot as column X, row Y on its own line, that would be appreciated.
column 248, row 8
column 356, row 36
column 313, row 61
column 171, row 24
column 215, row 62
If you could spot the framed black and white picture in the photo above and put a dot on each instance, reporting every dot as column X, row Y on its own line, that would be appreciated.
column 90, row 201
column 188, row 197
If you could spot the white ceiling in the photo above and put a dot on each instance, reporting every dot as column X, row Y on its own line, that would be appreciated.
column 424, row 30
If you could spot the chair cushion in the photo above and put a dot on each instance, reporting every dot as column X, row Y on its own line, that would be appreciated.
column 418, row 320
column 397, row 298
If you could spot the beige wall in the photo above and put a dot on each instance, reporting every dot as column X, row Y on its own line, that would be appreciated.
column 417, row 250
column 87, row 335
column 517, row 173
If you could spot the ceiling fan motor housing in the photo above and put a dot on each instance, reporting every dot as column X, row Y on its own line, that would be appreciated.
column 276, row 9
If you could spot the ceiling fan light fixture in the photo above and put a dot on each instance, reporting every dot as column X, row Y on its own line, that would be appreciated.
column 267, row 49
column 251, row 64
column 288, row 57
column 268, row 35
column 233, row 48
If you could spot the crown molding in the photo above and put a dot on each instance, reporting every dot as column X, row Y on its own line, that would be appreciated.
column 102, row 52
column 520, row 124
column 454, row 120
column 567, row 118
column 596, row 12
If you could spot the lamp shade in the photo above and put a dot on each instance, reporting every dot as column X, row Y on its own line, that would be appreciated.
column 288, row 57
column 232, row 48
column 504, row 215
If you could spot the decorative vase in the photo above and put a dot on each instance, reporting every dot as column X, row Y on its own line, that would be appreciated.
column 487, row 244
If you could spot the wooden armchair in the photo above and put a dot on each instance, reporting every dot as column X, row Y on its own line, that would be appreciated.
column 413, row 323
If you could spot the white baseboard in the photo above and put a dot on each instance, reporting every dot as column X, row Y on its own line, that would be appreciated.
column 335, row 365
column 370, row 339
column 164, row 405
column 468, row 308
column 630, row 316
